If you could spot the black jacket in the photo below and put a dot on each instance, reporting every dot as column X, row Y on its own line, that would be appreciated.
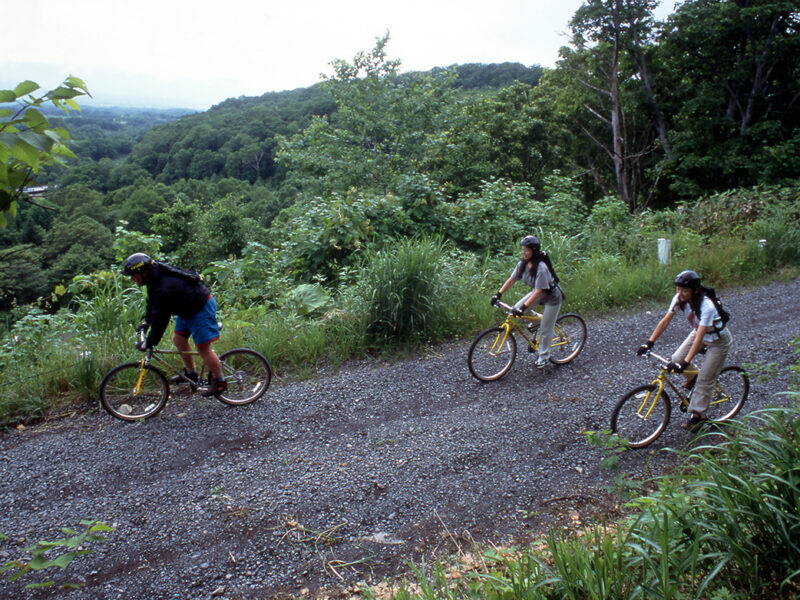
column 169, row 294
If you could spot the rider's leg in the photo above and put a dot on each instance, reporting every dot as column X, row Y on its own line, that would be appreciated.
column 681, row 353
column 549, row 316
column 712, row 365
column 182, row 344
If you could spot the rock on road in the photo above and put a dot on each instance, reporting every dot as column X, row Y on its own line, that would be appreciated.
column 336, row 480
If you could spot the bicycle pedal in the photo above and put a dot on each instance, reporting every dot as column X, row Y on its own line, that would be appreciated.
column 683, row 407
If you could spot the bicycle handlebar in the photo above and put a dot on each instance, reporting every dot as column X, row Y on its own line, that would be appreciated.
column 509, row 309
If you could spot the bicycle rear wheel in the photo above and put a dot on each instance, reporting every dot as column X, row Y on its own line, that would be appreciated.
column 248, row 375
column 641, row 415
column 728, row 394
column 492, row 354
column 569, row 338
column 129, row 393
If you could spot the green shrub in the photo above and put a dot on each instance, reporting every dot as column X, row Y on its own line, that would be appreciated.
column 403, row 289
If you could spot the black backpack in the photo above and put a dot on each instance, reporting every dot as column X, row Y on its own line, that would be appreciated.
column 724, row 315
column 187, row 274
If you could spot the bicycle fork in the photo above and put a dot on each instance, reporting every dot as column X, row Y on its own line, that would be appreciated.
column 650, row 396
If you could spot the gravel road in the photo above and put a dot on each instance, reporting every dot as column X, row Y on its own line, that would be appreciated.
column 332, row 481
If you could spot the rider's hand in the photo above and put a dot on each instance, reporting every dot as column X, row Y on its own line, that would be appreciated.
column 677, row 367
column 142, row 345
column 517, row 312
column 496, row 298
column 644, row 348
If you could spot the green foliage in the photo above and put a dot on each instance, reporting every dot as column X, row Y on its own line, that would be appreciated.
column 318, row 236
column 57, row 553
column 27, row 140
column 403, row 287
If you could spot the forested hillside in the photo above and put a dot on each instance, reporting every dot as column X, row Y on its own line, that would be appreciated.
column 297, row 204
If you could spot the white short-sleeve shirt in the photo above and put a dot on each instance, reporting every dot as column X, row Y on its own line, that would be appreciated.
column 709, row 317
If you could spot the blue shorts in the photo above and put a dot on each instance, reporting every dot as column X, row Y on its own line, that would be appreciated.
column 202, row 326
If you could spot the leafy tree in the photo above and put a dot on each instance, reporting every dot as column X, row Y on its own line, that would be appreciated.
column 79, row 246
column 382, row 127
column 22, row 279
column 27, row 141
column 732, row 82
column 605, row 32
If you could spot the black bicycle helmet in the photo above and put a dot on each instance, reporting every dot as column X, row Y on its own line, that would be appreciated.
column 137, row 263
column 531, row 241
column 687, row 279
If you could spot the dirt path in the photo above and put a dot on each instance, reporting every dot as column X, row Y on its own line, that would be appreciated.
column 334, row 481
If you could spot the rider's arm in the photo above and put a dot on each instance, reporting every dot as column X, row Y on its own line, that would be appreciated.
column 509, row 282
column 662, row 325
column 533, row 300
column 698, row 343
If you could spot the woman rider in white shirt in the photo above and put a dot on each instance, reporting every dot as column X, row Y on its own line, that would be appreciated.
column 707, row 330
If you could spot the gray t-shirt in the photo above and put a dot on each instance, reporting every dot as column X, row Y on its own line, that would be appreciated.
column 542, row 281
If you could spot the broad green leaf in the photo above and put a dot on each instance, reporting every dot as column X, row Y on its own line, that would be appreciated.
column 38, row 140
column 27, row 154
column 76, row 82
column 12, row 208
column 7, row 96
column 309, row 297
column 34, row 118
column 26, row 87
column 63, row 560
column 99, row 526
column 5, row 112
column 73, row 105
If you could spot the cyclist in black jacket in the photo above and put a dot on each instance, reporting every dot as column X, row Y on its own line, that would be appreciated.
column 172, row 291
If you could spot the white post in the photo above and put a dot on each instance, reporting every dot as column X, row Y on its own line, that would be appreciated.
column 762, row 243
column 664, row 251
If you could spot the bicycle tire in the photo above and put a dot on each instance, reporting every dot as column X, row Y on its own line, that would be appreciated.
column 569, row 338
column 248, row 375
column 633, row 422
column 118, row 397
column 486, row 365
column 728, row 394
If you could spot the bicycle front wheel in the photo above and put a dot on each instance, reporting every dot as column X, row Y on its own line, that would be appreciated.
column 728, row 394
column 492, row 354
column 641, row 415
column 130, row 392
column 569, row 338
column 248, row 375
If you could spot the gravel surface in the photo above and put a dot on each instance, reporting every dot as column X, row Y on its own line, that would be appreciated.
column 329, row 482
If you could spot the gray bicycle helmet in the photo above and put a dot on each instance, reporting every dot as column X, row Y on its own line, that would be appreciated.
column 531, row 241
column 687, row 279
column 137, row 263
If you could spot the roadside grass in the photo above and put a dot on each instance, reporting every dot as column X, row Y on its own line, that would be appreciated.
column 425, row 292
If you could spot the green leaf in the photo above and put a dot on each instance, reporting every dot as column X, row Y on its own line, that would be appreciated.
column 7, row 96
column 63, row 560
column 100, row 526
column 26, row 87
column 38, row 140
column 27, row 154
column 73, row 105
column 34, row 118
column 5, row 112
column 40, row 585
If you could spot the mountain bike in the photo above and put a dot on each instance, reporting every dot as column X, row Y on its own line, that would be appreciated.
column 643, row 413
column 493, row 352
column 139, row 390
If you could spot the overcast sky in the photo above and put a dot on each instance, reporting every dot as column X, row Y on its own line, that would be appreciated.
column 196, row 53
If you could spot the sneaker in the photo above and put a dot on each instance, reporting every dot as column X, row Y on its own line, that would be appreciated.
column 541, row 363
column 689, row 383
column 693, row 423
column 175, row 379
column 215, row 386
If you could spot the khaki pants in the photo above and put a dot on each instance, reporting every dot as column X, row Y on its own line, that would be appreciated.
column 546, row 327
column 712, row 365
